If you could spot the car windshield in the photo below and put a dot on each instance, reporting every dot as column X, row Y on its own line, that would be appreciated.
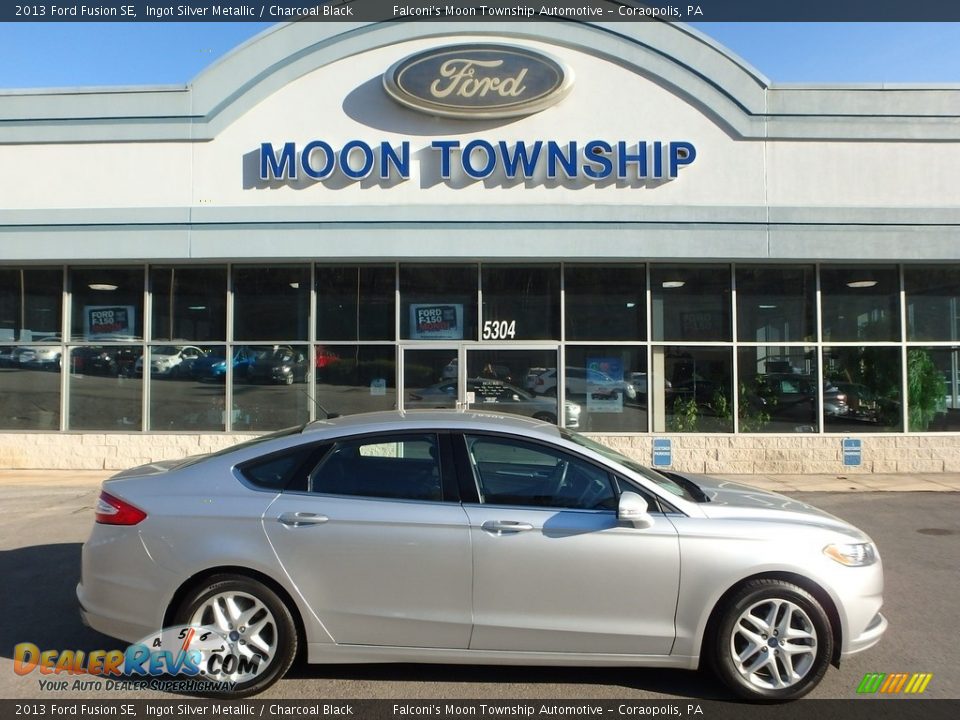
column 671, row 486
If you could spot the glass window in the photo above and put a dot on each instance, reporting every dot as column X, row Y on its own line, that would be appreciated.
column 355, row 379
column 399, row 467
column 189, row 303
column 933, row 387
column 356, row 302
column 107, row 303
column 438, row 302
column 513, row 472
column 30, row 387
column 605, row 302
column 862, row 389
column 778, row 389
column 691, row 302
column 430, row 378
column 933, row 302
column 31, row 302
column 271, row 303
column 776, row 304
column 504, row 381
column 520, row 302
column 104, row 391
column 269, row 387
column 278, row 471
column 860, row 302
column 610, row 386
column 178, row 398
column 692, row 390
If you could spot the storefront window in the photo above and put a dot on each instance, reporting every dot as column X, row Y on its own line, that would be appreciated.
column 356, row 302
column 692, row 389
column 271, row 303
column 517, row 382
column 189, row 303
column 776, row 304
column 520, row 302
column 30, row 387
column 691, row 302
column 180, row 399
column 355, row 379
column 438, row 302
column 778, row 389
column 31, row 302
column 862, row 389
column 105, row 393
column 270, row 387
column 933, row 387
column 610, row 386
column 107, row 303
column 933, row 302
column 605, row 302
column 860, row 303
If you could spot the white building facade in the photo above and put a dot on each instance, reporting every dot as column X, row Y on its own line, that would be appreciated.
column 618, row 228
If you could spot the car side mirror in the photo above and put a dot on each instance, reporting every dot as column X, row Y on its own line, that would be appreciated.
column 633, row 509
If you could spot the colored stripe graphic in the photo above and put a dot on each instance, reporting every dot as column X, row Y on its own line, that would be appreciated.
column 894, row 683
column 871, row 682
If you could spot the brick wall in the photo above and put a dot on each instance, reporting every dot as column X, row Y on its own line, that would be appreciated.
column 763, row 454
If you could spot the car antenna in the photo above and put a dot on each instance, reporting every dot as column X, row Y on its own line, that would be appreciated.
column 327, row 414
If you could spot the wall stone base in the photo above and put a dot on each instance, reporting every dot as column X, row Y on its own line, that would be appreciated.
column 724, row 454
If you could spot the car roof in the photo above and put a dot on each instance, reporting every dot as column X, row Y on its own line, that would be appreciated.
column 415, row 419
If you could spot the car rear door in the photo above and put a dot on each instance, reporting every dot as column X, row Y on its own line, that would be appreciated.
column 379, row 544
column 554, row 571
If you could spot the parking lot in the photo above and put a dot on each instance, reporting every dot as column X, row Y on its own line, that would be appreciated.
column 46, row 519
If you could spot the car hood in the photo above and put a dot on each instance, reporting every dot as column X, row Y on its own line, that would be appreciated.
column 729, row 499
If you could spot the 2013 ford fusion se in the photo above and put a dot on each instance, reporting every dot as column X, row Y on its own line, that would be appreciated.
column 467, row 537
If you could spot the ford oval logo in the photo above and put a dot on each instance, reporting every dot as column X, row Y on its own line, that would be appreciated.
column 478, row 81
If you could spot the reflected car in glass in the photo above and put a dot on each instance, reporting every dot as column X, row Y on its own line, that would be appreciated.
column 580, row 381
column 170, row 360
column 495, row 396
column 45, row 357
column 281, row 365
column 213, row 365
column 475, row 537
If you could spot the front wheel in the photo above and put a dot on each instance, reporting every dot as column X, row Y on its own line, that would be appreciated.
column 773, row 641
column 259, row 629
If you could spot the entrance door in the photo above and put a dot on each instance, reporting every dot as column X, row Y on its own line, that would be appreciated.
column 431, row 377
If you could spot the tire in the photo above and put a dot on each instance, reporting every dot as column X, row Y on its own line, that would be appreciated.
column 276, row 632
column 750, row 654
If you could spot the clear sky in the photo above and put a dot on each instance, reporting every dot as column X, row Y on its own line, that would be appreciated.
column 34, row 55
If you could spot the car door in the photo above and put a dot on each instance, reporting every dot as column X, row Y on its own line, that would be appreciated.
column 554, row 571
column 378, row 544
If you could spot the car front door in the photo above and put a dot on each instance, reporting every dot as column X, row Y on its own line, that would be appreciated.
column 554, row 571
column 377, row 545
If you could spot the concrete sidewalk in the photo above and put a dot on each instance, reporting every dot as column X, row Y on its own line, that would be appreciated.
column 854, row 482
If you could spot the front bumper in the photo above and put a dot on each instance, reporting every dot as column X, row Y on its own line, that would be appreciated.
column 868, row 638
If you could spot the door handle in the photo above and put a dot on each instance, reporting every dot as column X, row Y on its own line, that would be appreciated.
column 505, row 527
column 299, row 519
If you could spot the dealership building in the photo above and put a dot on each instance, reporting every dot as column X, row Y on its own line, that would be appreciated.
column 618, row 227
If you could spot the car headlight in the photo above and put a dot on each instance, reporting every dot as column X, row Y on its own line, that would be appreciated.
column 852, row 554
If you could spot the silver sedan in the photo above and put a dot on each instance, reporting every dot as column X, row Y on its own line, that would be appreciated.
column 468, row 537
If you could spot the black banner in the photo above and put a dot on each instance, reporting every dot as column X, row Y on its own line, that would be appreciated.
column 858, row 709
column 482, row 10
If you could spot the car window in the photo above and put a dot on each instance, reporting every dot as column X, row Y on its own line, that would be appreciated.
column 278, row 471
column 515, row 472
column 399, row 467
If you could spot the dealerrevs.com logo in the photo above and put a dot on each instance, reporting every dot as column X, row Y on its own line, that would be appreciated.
column 199, row 659
column 894, row 683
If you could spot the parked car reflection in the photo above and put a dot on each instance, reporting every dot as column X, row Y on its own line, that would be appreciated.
column 498, row 396
column 112, row 361
column 278, row 364
column 170, row 360
column 213, row 366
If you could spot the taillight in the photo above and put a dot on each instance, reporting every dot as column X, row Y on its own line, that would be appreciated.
column 114, row 511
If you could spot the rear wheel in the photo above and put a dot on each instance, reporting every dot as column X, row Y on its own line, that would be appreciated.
column 773, row 641
column 259, row 628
